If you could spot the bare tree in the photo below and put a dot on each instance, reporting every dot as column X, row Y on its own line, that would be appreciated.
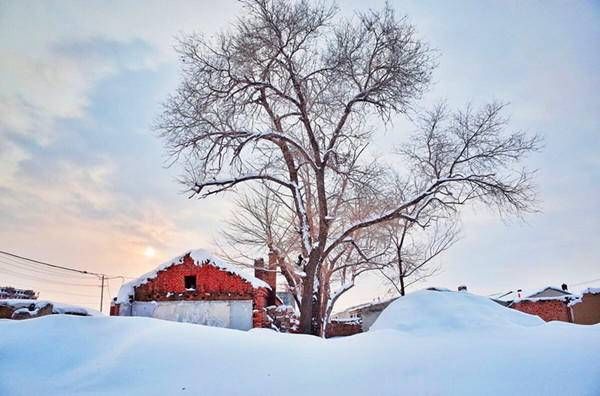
column 263, row 219
column 286, row 97
column 413, row 251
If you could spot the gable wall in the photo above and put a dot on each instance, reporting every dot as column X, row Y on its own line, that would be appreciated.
column 588, row 310
column 212, row 283
column 547, row 310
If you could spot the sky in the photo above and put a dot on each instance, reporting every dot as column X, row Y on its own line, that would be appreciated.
column 83, row 181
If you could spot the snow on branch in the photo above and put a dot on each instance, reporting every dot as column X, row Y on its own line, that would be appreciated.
column 216, row 186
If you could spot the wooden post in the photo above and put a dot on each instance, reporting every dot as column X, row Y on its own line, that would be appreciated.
column 102, row 293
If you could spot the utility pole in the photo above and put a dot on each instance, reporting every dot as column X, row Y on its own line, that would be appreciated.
column 102, row 293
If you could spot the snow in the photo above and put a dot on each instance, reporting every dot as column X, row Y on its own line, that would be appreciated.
column 22, row 305
column 420, row 347
column 573, row 297
column 591, row 290
column 200, row 257
column 433, row 311
column 372, row 303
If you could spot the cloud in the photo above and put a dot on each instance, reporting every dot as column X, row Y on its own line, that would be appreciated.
column 82, row 175
column 40, row 90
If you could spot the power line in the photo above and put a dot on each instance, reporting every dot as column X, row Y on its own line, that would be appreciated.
column 51, row 265
column 28, row 276
column 586, row 282
column 570, row 285
column 43, row 270
column 50, row 291
column 40, row 277
column 13, row 261
column 61, row 267
column 13, row 267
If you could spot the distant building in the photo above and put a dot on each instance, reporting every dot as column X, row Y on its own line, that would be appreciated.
column 365, row 314
column 8, row 292
column 556, row 303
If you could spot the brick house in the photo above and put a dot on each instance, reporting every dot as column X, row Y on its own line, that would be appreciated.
column 198, row 287
column 553, row 303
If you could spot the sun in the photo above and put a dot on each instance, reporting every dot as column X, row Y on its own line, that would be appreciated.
column 149, row 252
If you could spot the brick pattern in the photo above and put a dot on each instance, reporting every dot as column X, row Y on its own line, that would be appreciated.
column 588, row 310
column 545, row 309
column 212, row 284
column 267, row 272
column 259, row 313
column 342, row 328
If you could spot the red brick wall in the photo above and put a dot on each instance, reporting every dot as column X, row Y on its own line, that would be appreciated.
column 588, row 310
column 267, row 272
column 259, row 313
column 212, row 283
column 545, row 309
column 342, row 329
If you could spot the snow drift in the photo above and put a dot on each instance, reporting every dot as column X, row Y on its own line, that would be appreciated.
column 421, row 346
column 427, row 311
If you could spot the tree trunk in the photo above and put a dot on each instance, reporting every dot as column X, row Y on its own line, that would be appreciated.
column 320, row 309
column 308, row 291
column 401, row 276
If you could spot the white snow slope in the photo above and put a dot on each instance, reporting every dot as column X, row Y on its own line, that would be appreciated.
column 427, row 343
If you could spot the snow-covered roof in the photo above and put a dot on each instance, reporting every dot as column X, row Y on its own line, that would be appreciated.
column 57, row 308
column 200, row 258
column 377, row 303
column 550, row 291
column 546, row 294
column 591, row 290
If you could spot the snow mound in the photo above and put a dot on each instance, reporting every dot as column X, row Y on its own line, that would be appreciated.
column 200, row 257
column 58, row 355
column 431, row 311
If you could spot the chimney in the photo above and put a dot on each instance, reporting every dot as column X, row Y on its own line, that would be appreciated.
column 462, row 288
column 268, row 274
column 564, row 287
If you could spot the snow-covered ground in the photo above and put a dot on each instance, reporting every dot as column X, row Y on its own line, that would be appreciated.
column 427, row 343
